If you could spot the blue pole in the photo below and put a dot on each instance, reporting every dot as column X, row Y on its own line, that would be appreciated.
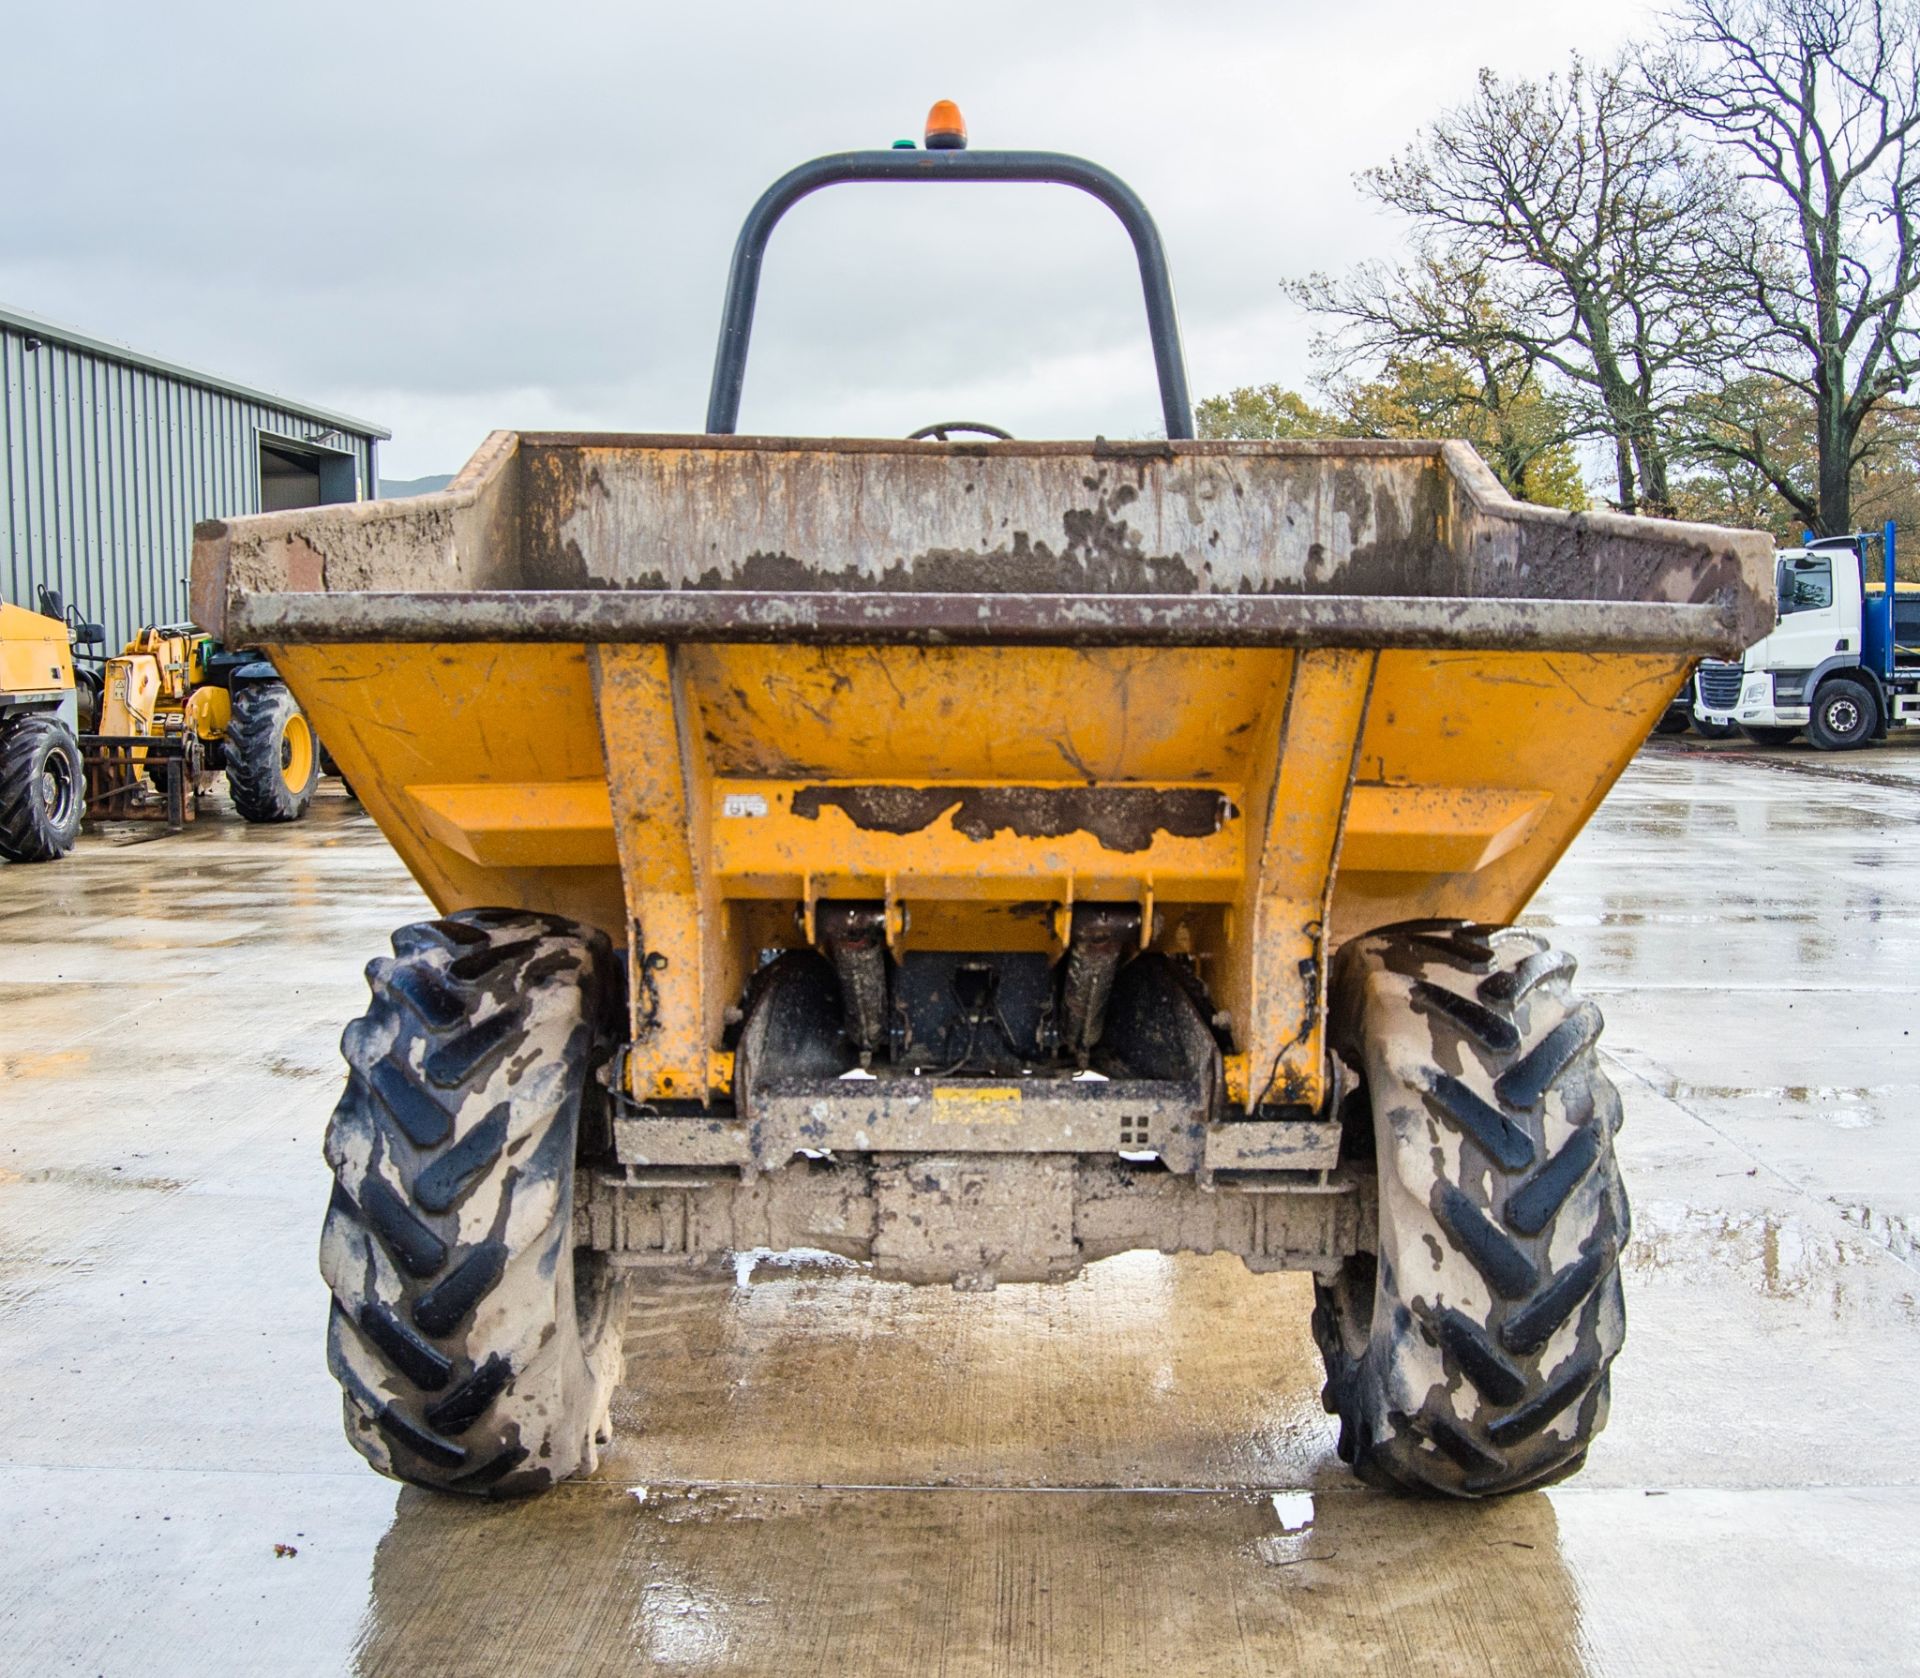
column 1887, row 568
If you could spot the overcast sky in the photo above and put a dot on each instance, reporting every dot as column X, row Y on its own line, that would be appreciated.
column 448, row 219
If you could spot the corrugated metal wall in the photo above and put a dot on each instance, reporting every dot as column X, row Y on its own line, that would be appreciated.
column 106, row 466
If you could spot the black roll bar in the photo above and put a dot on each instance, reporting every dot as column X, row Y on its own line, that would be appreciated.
column 743, row 279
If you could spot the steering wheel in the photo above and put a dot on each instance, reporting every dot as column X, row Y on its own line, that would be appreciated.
column 941, row 433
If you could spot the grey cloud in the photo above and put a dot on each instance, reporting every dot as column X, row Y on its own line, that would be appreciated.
column 457, row 217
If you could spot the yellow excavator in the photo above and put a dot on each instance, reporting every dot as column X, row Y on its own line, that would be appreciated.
column 175, row 707
column 40, row 718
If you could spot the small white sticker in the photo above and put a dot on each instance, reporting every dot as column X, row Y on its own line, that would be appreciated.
column 743, row 804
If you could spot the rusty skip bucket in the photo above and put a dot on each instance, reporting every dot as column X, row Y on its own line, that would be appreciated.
column 687, row 689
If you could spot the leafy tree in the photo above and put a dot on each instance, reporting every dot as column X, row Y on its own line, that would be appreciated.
column 1519, row 431
column 1521, row 434
column 1255, row 411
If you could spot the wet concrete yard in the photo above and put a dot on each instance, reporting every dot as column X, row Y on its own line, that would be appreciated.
column 821, row 1474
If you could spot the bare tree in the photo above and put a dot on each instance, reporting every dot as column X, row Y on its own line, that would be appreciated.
column 1818, row 104
column 1446, row 317
column 1563, row 224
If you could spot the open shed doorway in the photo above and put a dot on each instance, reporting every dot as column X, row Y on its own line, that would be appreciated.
column 292, row 476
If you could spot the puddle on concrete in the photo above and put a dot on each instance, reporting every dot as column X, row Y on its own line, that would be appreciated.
column 1804, row 1094
column 1293, row 1509
column 1295, row 1541
column 285, row 1066
column 50, row 1064
column 758, row 1266
column 31, row 1268
column 908, row 1582
column 1129, row 1474
column 1893, row 1231
column 92, row 1177
column 1546, row 920
column 1840, row 1106
column 1143, row 1371
column 1777, row 1255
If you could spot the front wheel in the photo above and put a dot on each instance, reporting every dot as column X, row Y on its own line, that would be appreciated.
column 41, row 782
column 1469, row 1355
column 272, row 758
column 1843, row 715
column 89, row 692
column 1708, row 730
column 476, row 1350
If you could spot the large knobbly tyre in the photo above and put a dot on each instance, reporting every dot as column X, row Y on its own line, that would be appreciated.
column 41, row 781
column 271, row 756
column 1470, row 1355
column 477, row 1351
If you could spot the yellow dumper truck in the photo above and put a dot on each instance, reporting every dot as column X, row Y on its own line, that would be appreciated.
column 976, row 857
column 42, row 794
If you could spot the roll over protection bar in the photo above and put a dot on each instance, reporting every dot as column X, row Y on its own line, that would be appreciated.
column 743, row 279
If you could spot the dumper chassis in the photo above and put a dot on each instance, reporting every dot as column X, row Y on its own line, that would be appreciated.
column 976, row 858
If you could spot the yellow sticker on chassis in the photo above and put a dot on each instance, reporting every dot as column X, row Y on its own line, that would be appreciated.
column 990, row 1104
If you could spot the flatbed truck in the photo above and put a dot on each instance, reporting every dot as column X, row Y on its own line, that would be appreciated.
column 1842, row 661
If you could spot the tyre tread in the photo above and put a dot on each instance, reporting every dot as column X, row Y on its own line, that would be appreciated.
column 26, row 834
column 430, row 1220
column 1492, row 1142
column 252, row 751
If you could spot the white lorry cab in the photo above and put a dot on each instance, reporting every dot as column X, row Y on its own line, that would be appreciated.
column 1843, row 659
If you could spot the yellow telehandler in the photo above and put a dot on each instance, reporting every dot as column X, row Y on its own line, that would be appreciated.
column 41, row 772
column 176, row 707
column 976, row 857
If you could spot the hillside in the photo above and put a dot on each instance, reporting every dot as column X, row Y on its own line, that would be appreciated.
column 397, row 489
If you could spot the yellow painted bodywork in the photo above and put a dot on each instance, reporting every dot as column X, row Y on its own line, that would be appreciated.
column 36, row 654
column 209, row 712
column 673, row 797
column 150, row 687
column 298, row 750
